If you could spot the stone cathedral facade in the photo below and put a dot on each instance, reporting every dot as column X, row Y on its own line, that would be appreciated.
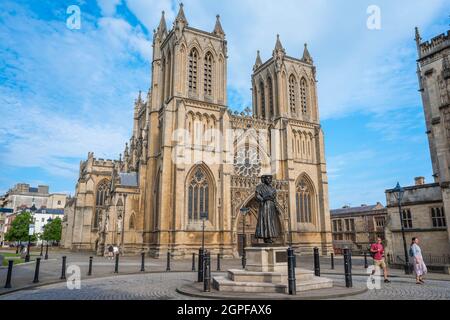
column 190, row 157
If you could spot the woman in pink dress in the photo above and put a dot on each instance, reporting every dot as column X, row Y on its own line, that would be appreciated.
column 419, row 266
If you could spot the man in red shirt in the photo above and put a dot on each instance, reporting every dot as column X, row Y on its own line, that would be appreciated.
column 377, row 251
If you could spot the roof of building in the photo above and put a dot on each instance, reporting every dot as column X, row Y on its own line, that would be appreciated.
column 128, row 179
column 363, row 209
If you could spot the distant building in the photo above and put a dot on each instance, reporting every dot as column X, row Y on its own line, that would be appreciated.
column 357, row 227
column 2, row 226
column 423, row 216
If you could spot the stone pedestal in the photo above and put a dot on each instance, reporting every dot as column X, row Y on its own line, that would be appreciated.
column 267, row 272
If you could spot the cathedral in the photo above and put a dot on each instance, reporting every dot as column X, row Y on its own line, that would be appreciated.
column 191, row 163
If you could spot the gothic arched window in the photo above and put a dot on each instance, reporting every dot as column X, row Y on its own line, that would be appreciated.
column 101, row 195
column 193, row 70
column 271, row 108
column 198, row 195
column 303, row 95
column 292, row 93
column 263, row 100
column 207, row 72
column 304, row 200
column 132, row 222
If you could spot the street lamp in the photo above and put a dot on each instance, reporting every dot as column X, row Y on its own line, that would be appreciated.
column 398, row 192
column 30, row 233
column 201, row 253
column 46, row 241
column 244, row 212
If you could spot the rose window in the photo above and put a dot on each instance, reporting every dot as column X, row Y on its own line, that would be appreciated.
column 247, row 162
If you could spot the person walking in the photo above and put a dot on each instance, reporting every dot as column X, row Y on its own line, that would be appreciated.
column 110, row 252
column 415, row 253
column 377, row 251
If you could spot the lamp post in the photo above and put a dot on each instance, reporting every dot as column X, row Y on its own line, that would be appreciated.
column 30, row 233
column 244, row 212
column 201, row 253
column 398, row 193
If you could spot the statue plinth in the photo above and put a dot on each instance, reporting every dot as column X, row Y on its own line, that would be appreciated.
column 266, row 271
column 266, row 259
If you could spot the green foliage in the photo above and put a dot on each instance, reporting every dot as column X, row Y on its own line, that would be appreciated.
column 19, row 228
column 52, row 230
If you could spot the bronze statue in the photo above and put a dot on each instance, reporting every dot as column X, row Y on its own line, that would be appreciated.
column 268, row 226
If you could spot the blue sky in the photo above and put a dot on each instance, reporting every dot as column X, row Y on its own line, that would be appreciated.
column 66, row 92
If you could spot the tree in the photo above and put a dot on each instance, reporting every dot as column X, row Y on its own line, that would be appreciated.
column 52, row 230
column 19, row 228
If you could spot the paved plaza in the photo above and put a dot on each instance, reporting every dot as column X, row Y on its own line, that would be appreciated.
column 157, row 284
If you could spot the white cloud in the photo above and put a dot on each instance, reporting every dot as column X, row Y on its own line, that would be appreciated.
column 108, row 7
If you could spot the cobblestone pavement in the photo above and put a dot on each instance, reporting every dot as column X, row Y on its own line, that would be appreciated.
column 162, row 286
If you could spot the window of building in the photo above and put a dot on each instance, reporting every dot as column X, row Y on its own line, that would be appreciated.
column 292, row 93
column 207, row 72
column 193, row 61
column 380, row 222
column 438, row 217
column 271, row 106
column 100, row 201
column 263, row 100
column 304, row 198
column 407, row 219
column 303, row 95
column 349, row 225
column 198, row 195
column 59, row 202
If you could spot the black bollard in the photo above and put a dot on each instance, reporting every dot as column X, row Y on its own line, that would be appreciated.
column 366, row 265
column 207, row 272
column 295, row 260
column 168, row 261
column 218, row 262
column 36, row 271
column 42, row 248
column 316, row 262
column 46, row 251
column 116, row 267
column 143, row 262
column 332, row 261
column 90, row 266
column 291, row 272
column 350, row 258
column 8, row 276
column 63, row 268
column 348, row 268
column 193, row 262
column 200, row 265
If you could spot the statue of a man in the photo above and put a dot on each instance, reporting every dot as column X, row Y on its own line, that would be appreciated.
column 268, row 226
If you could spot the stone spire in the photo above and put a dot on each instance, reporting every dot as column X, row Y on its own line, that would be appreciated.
column 218, row 30
column 181, row 18
column 162, row 28
column 258, row 61
column 306, row 56
column 278, row 45
column 418, row 39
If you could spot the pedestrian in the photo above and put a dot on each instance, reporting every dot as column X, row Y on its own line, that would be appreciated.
column 377, row 251
column 417, row 260
column 116, row 251
column 110, row 252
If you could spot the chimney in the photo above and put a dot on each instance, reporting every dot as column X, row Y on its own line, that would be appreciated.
column 419, row 181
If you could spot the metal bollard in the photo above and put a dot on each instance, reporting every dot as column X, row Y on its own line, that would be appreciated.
column 218, row 262
column 291, row 272
column 295, row 260
column 63, row 268
column 193, row 262
column 36, row 271
column 332, row 261
column 207, row 272
column 46, row 251
column 348, row 269
column 200, row 265
column 366, row 265
column 8, row 276
column 168, row 262
column 116, row 267
column 143, row 262
column 90, row 266
column 316, row 262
